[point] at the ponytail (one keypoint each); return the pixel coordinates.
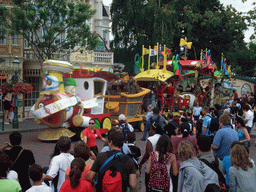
(77, 167)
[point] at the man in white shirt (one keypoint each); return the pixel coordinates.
(248, 120)
(60, 163)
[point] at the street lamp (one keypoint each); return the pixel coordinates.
(16, 63)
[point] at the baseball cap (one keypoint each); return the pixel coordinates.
(121, 117)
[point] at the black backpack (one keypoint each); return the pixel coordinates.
(156, 121)
(215, 167)
(214, 124)
(111, 171)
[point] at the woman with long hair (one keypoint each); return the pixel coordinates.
(243, 134)
(163, 155)
(242, 174)
(76, 184)
(194, 175)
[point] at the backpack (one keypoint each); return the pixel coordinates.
(156, 121)
(159, 179)
(112, 176)
(214, 124)
(215, 167)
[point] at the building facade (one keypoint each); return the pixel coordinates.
(30, 67)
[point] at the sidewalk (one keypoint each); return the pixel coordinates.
(26, 125)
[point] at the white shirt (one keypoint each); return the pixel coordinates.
(153, 140)
(40, 188)
(249, 115)
(59, 164)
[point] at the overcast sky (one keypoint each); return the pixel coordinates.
(242, 7)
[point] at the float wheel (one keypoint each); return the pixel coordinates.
(141, 126)
(97, 124)
(106, 123)
(82, 136)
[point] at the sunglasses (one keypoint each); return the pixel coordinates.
(91, 123)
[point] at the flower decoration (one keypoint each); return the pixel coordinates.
(17, 88)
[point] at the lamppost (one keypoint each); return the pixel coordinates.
(16, 63)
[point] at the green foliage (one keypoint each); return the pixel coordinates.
(206, 23)
(50, 26)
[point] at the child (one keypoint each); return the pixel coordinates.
(148, 115)
(135, 155)
(36, 174)
(76, 184)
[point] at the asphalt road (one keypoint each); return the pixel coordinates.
(43, 150)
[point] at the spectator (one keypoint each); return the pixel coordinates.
(235, 96)
(226, 104)
(8, 185)
(227, 162)
(21, 159)
(204, 150)
(81, 150)
(147, 126)
(206, 122)
(135, 155)
(176, 140)
(223, 138)
(243, 134)
(124, 125)
(248, 119)
(164, 156)
(194, 175)
(125, 149)
(90, 134)
(242, 173)
(36, 174)
(60, 163)
(76, 184)
(7, 107)
(171, 128)
(154, 135)
(127, 168)
(157, 119)
(196, 111)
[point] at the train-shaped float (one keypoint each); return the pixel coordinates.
(71, 97)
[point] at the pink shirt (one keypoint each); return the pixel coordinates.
(176, 140)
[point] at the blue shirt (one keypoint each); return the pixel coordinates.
(149, 114)
(206, 123)
(242, 136)
(223, 140)
(226, 165)
(197, 110)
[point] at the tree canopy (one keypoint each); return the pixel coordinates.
(206, 23)
(49, 26)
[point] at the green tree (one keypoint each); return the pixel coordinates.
(206, 23)
(50, 26)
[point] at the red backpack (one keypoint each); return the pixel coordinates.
(112, 176)
(159, 178)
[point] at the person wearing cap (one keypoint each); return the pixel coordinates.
(124, 125)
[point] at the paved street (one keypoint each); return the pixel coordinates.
(43, 150)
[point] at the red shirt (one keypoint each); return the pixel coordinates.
(235, 95)
(83, 186)
(91, 137)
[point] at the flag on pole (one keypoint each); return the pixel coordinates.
(153, 52)
(160, 48)
(145, 51)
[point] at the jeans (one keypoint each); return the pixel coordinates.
(145, 131)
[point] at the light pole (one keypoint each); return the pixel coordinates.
(16, 63)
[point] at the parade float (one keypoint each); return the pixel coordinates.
(186, 76)
(71, 97)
